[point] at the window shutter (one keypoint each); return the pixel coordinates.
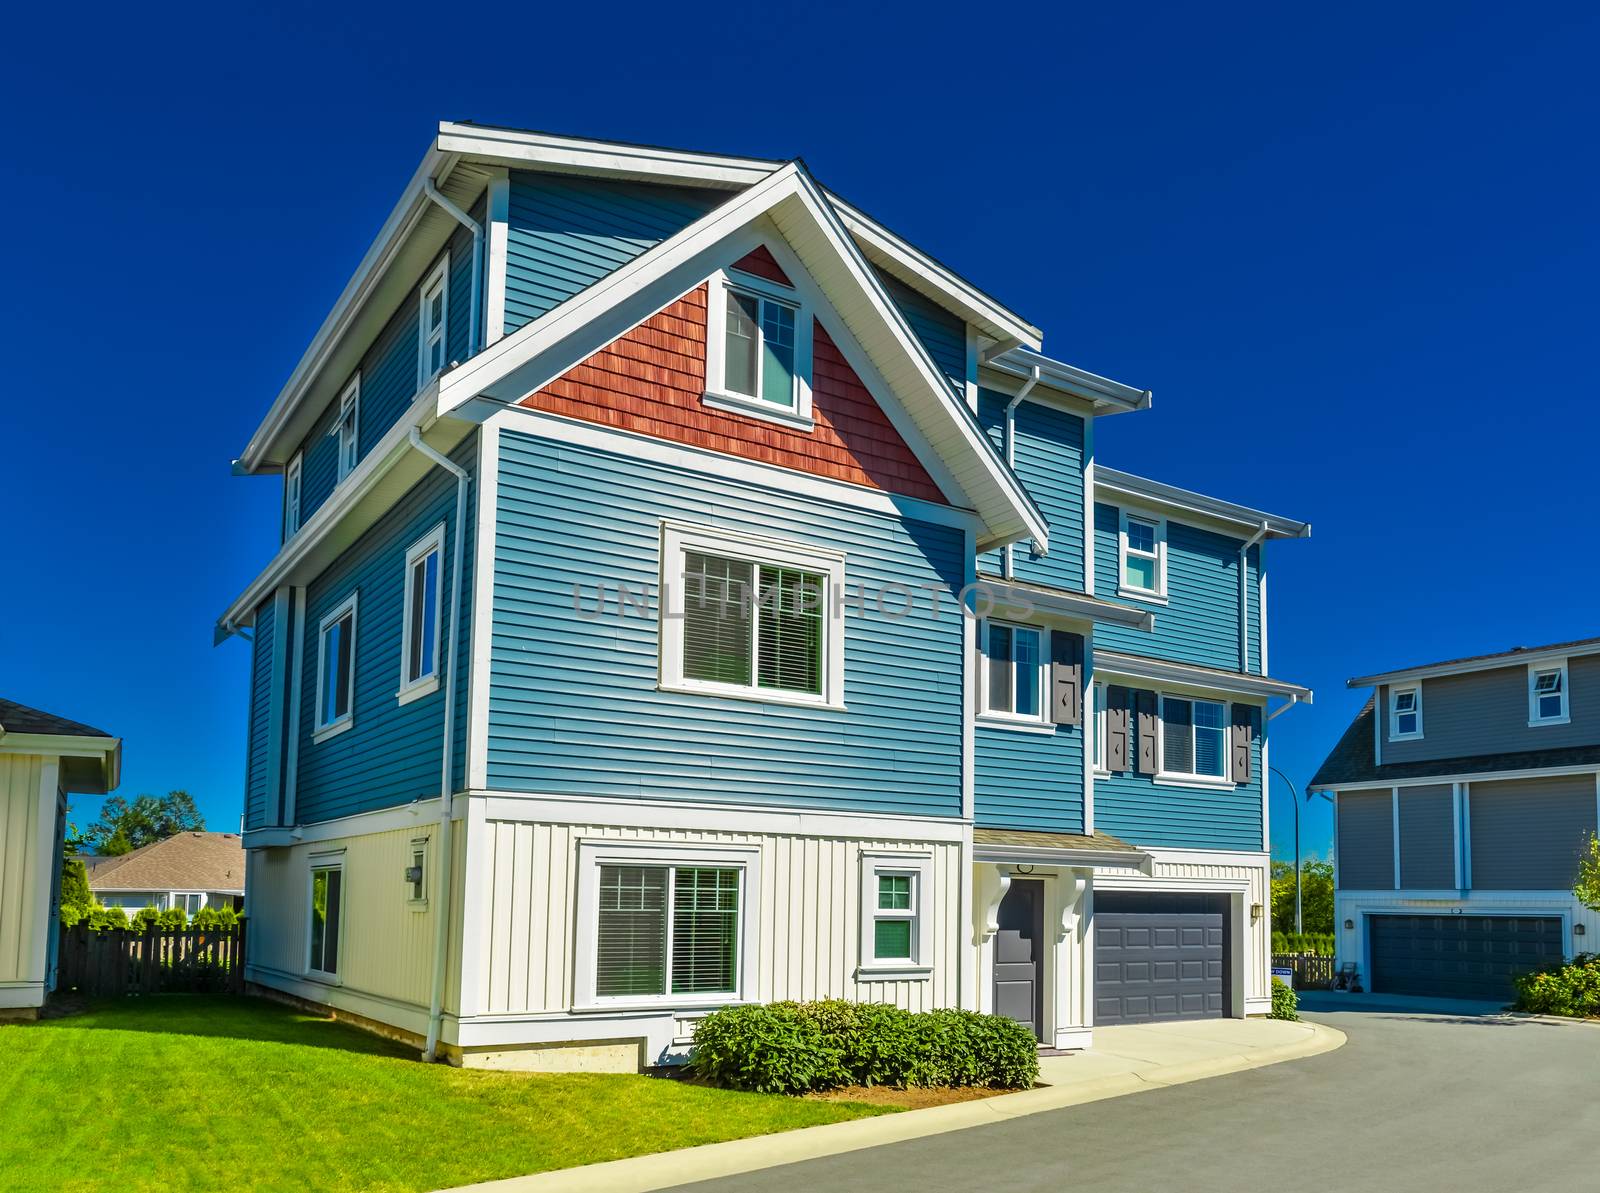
(1244, 729)
(1144, 705)
(1116, 728)
(1066, 678)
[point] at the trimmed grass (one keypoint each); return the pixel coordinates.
(192, 1092)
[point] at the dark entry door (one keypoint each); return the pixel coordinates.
(1019, 955)
(1159, 956)
(1459, 956)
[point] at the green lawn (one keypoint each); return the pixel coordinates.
(190, 1092)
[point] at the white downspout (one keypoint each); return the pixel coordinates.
(474, 333)
(444, 846)
(1244, 598)
(1011, 442)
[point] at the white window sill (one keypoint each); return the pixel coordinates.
(757, 695)
(417, 904)
(883, 971)
(1405, 737)
(1102, 774)
(325, 979)
(756, 408)
(1015, 724)
(426, 686)
(667, 1002)
(1550, 721)
(1139, 594)
(333, 730)
(1203, 782)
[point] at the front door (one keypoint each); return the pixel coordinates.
(1019, 955)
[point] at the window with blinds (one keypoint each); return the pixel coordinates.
(1194, 737)
(752, 625)
(667, 929)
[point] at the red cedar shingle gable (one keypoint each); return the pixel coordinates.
(760, 262)
(651, 382)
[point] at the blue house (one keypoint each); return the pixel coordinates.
(690, 592)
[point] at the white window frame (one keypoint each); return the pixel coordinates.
(348, 429)
(1039, 721)
(678, 539)
(427, 683)
(594, 854)
(292, 474)
(333, 860)
(919, 866)
(1180, 778)
(439, 280)
(1097, 693)
(1124, 589)
(1394, 714)
(327, 729)
(1559, 667)
(419, 846)
(718, 395)
(174, 896)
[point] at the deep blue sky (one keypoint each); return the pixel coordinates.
(1354, 254)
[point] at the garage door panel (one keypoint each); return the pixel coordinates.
(1159, 956)
(1459, 956)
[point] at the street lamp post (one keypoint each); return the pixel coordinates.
(1299, 924)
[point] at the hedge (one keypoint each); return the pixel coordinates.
(1320, 943)
(1572, 989)
(1285, 1002)
(800, 1047)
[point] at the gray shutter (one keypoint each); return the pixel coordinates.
(1244, 731)
(1144, 705)
(1066, 678)
(1116, 729)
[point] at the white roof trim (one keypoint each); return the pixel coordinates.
(1110, 859)
(1165, 671)
(1070, 605)
(1124, 484)
(583, 155)
(1107, 396)
(1515, 658)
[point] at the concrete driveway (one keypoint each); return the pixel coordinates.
(1424, 1096)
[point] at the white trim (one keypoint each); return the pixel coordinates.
(1393, 717)
(1159, 671)
(1118, 486)
(1039, 720)
(1587, 768)
(348, 428)
(1559, 668)
(971, 669)
(1394, 834)
(919, 866)
(798, 412)
(1158, 522)
(1456, 833)
(1542, 654)
(1466, 836)
(1089, 472)
(431, 543)
(1094, 730)
(1095, 749)
(497, 216)
(594, 853)
(678, 538)
(420, 813)
(438, 277)
(327, 729)
(329, 861)
(292, 475)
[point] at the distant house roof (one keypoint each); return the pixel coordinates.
(1351, 761)
(90, 758)
(19, 718)
(1481, 662)
(187, 862)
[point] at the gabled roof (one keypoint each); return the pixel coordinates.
(1483, 662)
(19, 718)
(90, 759)
(1238, 518)
(194, 861)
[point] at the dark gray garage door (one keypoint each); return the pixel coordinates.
(1160, 956)
(1459, 956)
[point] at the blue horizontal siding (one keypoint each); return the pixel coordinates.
(942, 333)
(1049, 460)
(1145, 813)
(256, 764)
(319, 466)
(574, 706)
(391, 754)
(1200, 621)
(1030, 781)
(564, 234)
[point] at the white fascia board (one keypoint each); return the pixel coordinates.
(1112, 483)
(1103, 394)
(1165, 671)
(609, 159)
(1520, 658)
(1098, 859)
(105, 750)
(1071, 606)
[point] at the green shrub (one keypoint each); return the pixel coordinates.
(105, 919)
(173, 919)
(71, 914)
(147, 919)
(1572, 989)
(1320, 943)
(1285, 1004)
(794, 1047)
(205, 919)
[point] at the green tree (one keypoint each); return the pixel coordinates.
(125, 826)
(75, 894)
(1316, 896)
(1587, 888)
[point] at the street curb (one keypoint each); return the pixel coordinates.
(665, 1169)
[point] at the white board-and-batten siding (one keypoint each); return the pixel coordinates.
(27, 838)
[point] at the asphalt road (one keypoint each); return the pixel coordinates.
(1417, 1100)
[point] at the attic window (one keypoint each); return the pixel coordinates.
(758, 350)
(1405, 713)
(1547, 695)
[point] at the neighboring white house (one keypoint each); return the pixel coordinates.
(42, 758)
(190, 870)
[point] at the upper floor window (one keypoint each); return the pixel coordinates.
(336, 670)
(432, 320)
(1547, 695)
(419, 641)
(1194, 738)
(751, 617)
(1099, 759)
(1405, 713)
(1014, 672)
(349, 427)
(758, 350)
(291, 497)
(1144, 556)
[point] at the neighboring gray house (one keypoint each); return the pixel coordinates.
(1464, 793)
(189, 870)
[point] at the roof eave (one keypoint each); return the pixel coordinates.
(1105, 395)
(1466, 667)
(1246, 519)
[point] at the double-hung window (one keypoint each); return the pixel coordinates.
(336, 670)
(1194, 738)
(1547, 695)
(348, 429)
(758, 350)
(326, 916)
(751, 617)
(419, 642)
(1100, 728)
(894, 911)
(1144, 556)
(291, 497)
(1014, 672)
(1405, 713)
(433, 317)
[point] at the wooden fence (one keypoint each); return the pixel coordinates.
(184, 961)
(1312, 971)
